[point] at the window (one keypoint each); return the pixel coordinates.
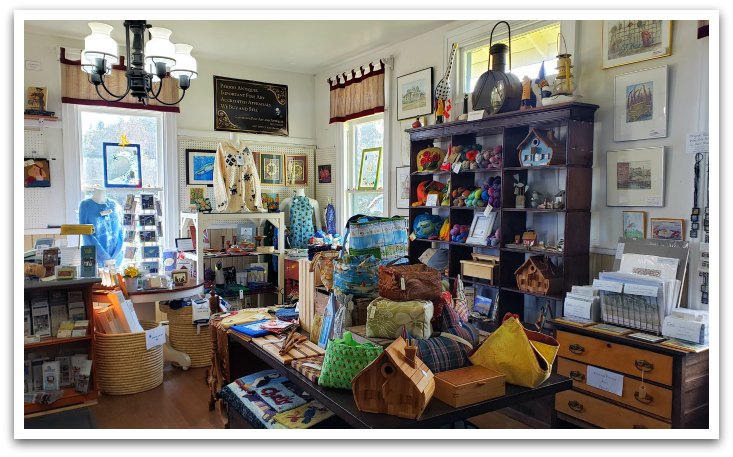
(364, 133)
(529, 50)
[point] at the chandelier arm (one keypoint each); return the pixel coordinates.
(171, 104)
(117, 98)
(160, 88)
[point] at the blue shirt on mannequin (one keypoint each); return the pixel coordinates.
(108, 229)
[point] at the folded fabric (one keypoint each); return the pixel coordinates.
(279, 396)
(309, 367)
(385, 318)
(252, 329)
(244, 316)
(305, 416)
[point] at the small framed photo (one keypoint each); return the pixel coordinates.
(122, 166)
(640, 105)
(147, 220)
(402, 193)
(196, 194)
(36, 98)
(179, 277)
(200, 167)
(633, 40)
(668, 229)
(324, 174)
(147, 201)
(415, 94)
(151, 252)
(481, 228)
(36, 173)
(371, 163)
(296, 169)
(635, 224)
(148, 236)
(271, 169)
(635, 177)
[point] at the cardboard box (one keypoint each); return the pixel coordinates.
(469, 385)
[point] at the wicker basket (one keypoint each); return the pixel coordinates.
(183, 335)
(124, 366)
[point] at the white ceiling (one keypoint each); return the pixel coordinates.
(298, 46)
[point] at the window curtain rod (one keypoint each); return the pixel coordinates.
(375, 67)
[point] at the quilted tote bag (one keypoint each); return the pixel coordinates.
(385, 238)
(356, 275)
(525, 357)
(409, 282)
(385, 318)
(344, 359)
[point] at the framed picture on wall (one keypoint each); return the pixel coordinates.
(36, 173)
(200, 167)
(415, 94)
(402, 192)
(296, 169)
(668, 229)
(271, 168)
(196, 194)
(634, 224)
(640, 105)
(629, 41)
(122, 165)
(324, 174)
(371, 163)
(635, 177)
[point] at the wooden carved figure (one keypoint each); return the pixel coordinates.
(443, 88)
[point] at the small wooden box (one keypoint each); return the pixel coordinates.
(469, 385)
(482, 266)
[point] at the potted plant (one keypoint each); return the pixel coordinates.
(132, 273)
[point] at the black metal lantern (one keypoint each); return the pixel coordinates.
(496, 90)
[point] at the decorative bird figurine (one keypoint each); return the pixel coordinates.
(443, 88)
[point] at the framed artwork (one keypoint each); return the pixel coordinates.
(296, 169)
(37, 98)
(635, 177)
(271, 168)
(481, 228)
(122, 165)
(36, 173)
(196, 194)
(179, 277)
(640, 105)
(629, 41)
(415, 94)
(324, 174)
(200, 167)
(147, 201)
(147, 220)
(148, 236)
(150, 252)
(634, 224)
(270, 200)
(668, 229)
(405, 137)
(403, 187)
(371, 163)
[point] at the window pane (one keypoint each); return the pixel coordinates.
(528, 52)
(367, 203)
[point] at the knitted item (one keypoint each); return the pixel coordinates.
(236, 180)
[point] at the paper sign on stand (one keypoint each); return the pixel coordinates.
(155, 337)
(605, 380)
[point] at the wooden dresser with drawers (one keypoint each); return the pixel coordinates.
(675, 393)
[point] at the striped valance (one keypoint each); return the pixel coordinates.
(358, 93)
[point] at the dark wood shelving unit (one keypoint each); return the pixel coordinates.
(573, 124)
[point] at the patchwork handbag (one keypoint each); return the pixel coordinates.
(525, 357)
(385, 238)
(344, 359)
(409, 282)
(386, 318)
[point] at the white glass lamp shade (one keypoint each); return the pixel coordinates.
(159, 48)
(185, 63)
(88, 67)
(100, 45)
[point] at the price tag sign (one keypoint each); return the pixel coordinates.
(155, 337)
(698, 143)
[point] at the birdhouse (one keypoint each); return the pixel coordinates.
(538, 275)
(540, 148)
(397, 383)
(529, 238)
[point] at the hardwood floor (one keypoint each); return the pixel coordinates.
(182, 401)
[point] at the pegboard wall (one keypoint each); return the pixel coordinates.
(324, 191)
(36, 199)
(282, 191)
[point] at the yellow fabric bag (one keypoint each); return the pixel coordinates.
(523, 356)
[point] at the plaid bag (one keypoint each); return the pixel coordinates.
(448, 351)
(344, 359)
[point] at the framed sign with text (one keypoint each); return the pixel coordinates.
(250, 106)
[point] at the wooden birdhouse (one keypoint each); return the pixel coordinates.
(540, 148)
(397, 383)
(529, 238)
(538, 275)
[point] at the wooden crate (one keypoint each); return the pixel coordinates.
(469, 385)
(482, 266)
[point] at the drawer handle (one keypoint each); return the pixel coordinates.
(576, 349)
(576, 375)
(575, 405)
(639, 426)
(643, 365)
(646, 400)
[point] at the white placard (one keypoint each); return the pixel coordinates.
(684, 329)
(698, 143)
(605, 380)
(155, 337)
(608, 286)
(432, 200)
(637, 289)
(620, 251)
(457, 167)
(474, 115)
(654, 201)
(488, 210)
(577, 308)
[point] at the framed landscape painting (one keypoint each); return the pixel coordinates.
(200, 167)
(635, 177)
(633, 40)
(640, 105)
(415, 94)
(635, 224)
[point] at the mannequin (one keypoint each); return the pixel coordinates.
(288, 202)
(106, 216)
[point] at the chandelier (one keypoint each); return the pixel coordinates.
(146, 62)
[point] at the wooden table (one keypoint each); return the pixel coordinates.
(246, 357)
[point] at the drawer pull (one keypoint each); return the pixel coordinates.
(576, 349)
(643, 365)
(576, 375)
(639, 426)
(575, 405)
(647, 399)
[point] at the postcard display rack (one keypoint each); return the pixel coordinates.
(572, 126)
(193, 223)
(143, 229)
(69, 296)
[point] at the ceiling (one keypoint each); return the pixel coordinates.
(298, 46)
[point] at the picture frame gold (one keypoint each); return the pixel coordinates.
(634, 224)
(296, 170)
(179, 277)
(625, 42)
(271, 169)
(369, 168)
(663, 228)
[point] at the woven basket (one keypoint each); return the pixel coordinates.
(183, 335)
(124, 366)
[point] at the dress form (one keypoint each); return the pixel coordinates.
(106, 216)
(287, 203)
(99, 196)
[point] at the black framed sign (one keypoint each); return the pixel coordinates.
(250, 106)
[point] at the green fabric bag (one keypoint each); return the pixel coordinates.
(344, 359)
